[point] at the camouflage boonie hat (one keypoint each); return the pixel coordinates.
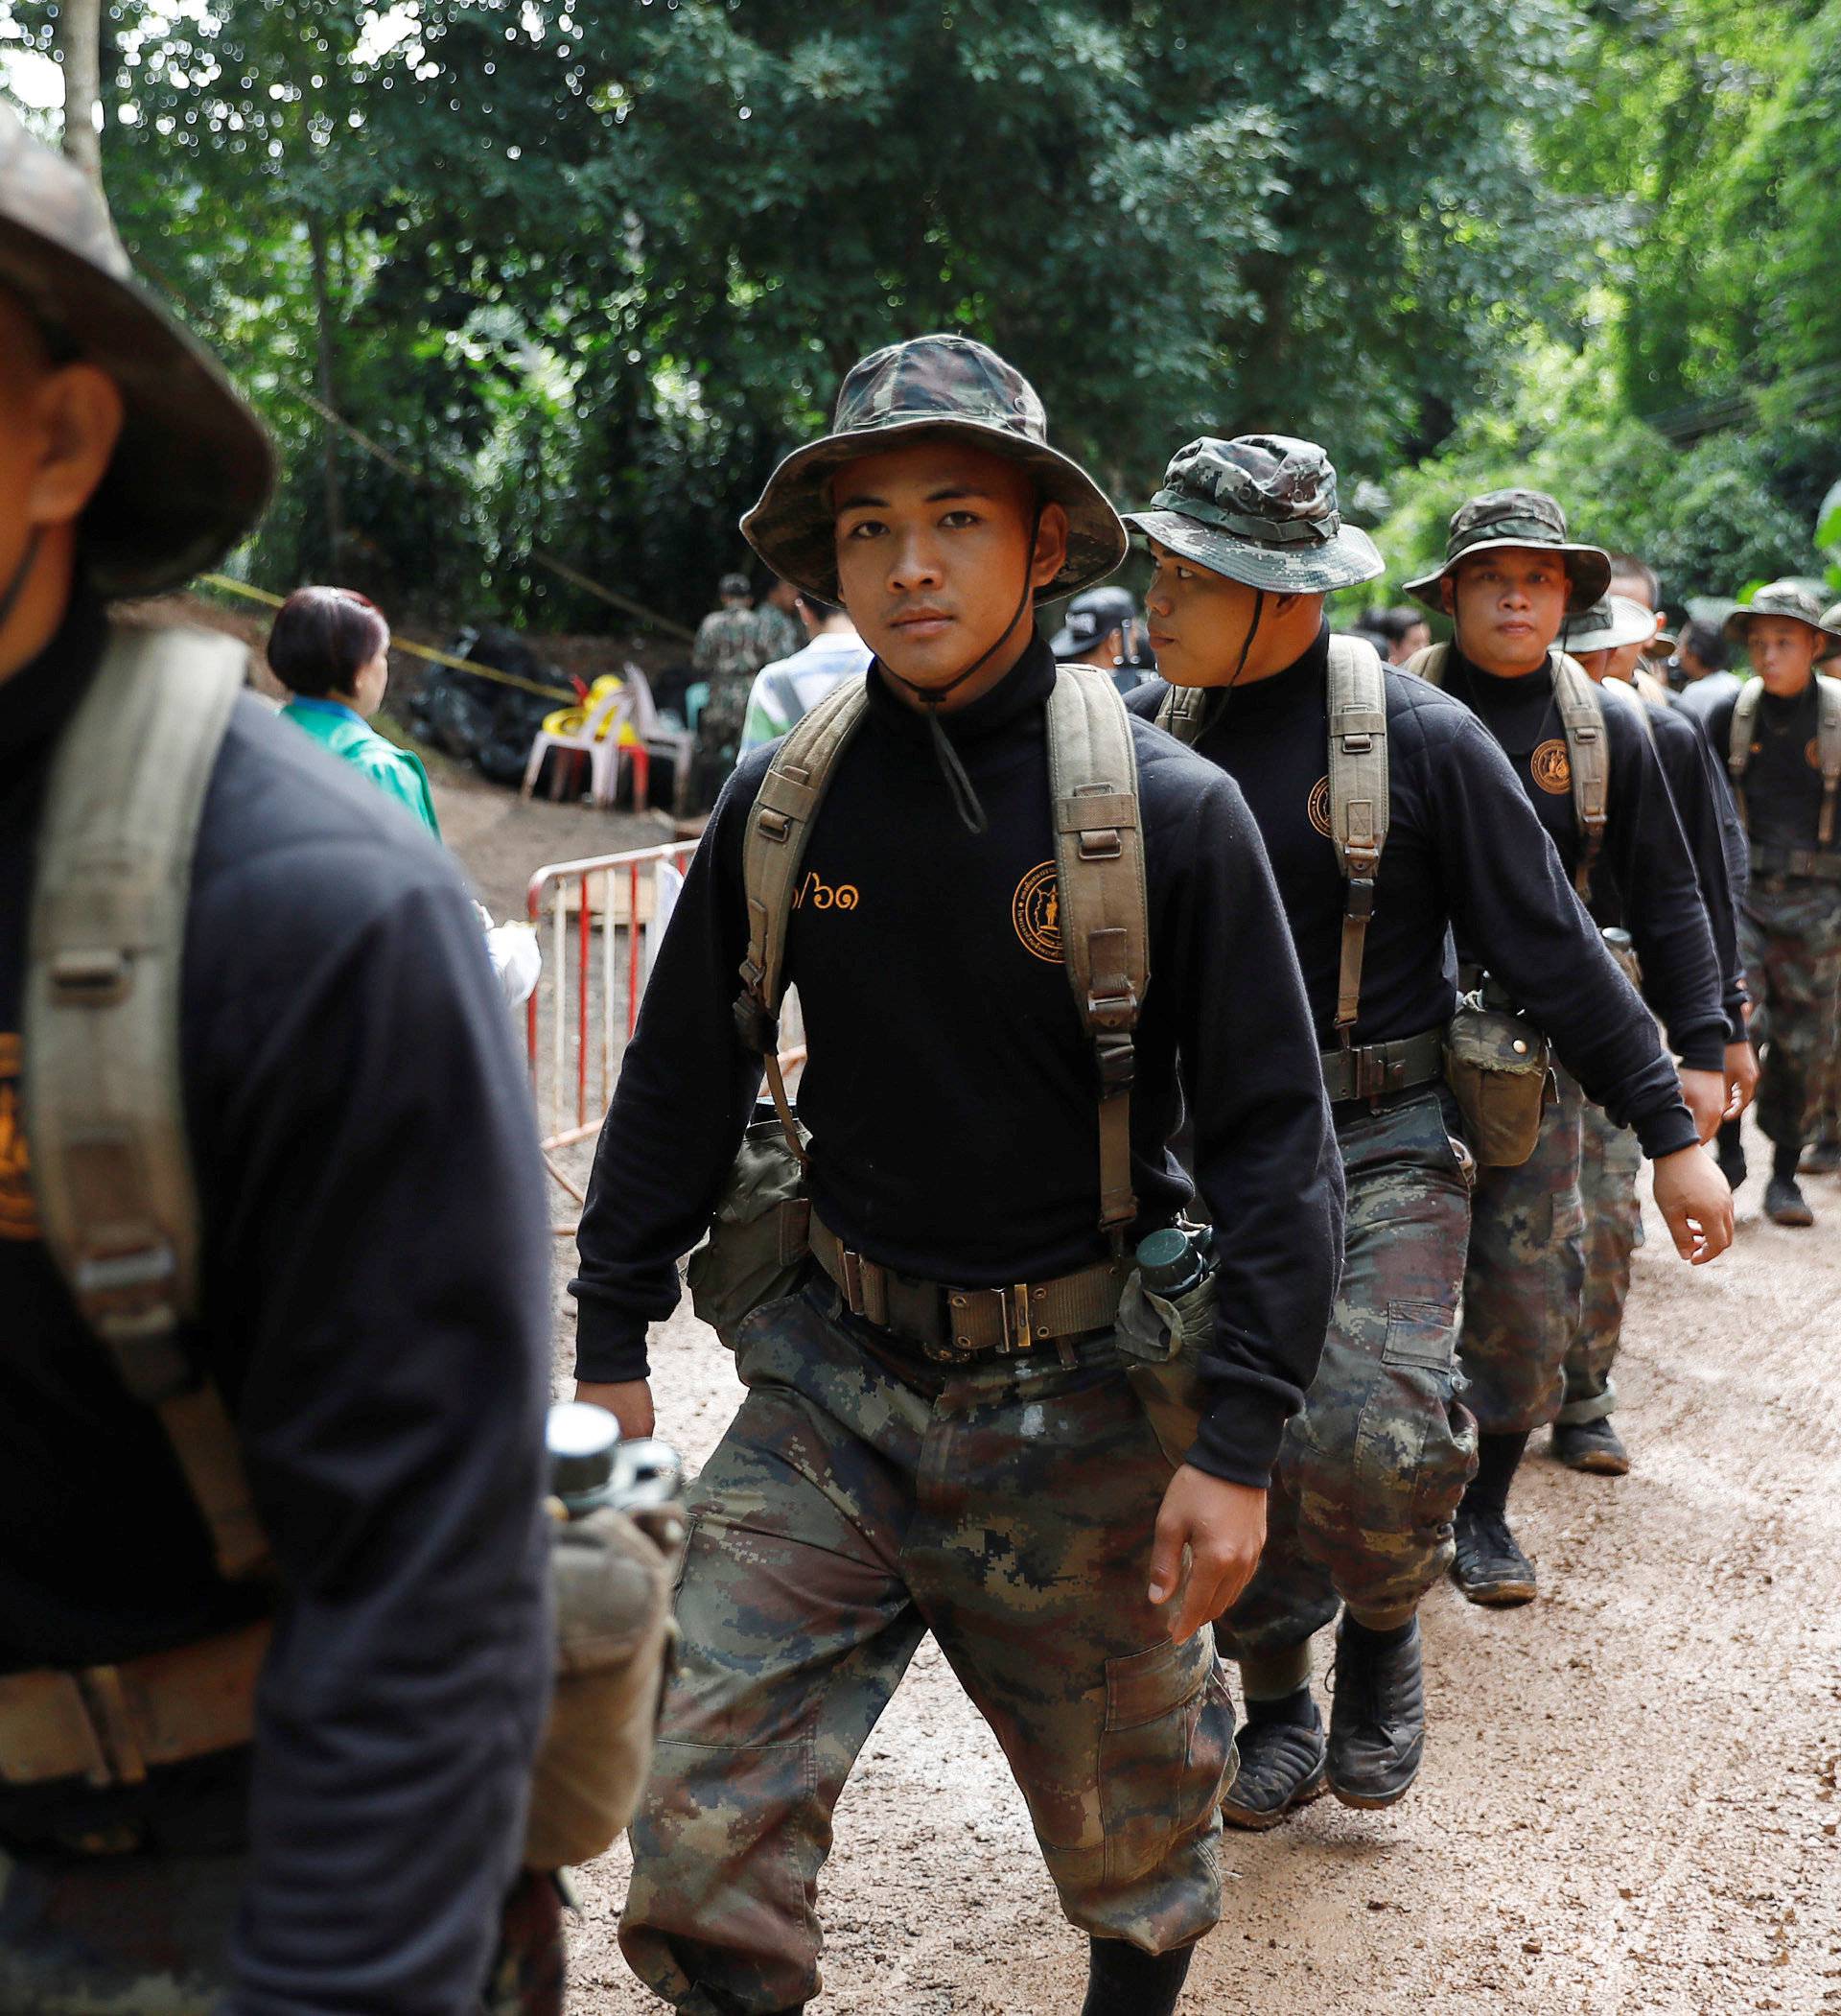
(930, 385)
(193, 468)
(1784, 599)
(1501, 518)
(1261, 509)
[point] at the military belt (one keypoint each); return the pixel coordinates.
(110, 1725)
(953, 1324)
(1816, 863)
(1372, 1070)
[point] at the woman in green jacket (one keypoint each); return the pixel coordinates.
(329, 648)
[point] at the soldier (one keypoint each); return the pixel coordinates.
(777, 622)
(940, 1434)
(1608, 641)
(730, 647)
(1823, 1156)
(1780, 735)
(1103, 627)
(255, 1419)
(1247, 542)
(1510, 578)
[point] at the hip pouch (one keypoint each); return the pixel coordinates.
(1161, 1340)
(758, 1233)
(1499, 1068)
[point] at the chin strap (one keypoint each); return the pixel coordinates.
(21, 575)
(959, 785)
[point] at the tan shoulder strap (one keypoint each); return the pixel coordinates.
(1430, 664)
(1358, 803)
(105, 1110)
(1105, 909)
(1739, 740)
(1587, 755)
(1184, 712)
(1827, 752)
(780, 824)
(1634, 702)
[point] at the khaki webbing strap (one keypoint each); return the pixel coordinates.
(1104, 910)
(105, 1111)
(1827, 752)
(1738, 741)
(1587, 756)
(1630, 699)
(1358, 803)
(1184, 713)
(780, 825)
(1429, 664)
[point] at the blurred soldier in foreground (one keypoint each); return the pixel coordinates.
(272, 1262)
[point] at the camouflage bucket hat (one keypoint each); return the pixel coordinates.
(193, 468)
(1609, 625)
(929, 386)
(1261, 509)
(1500, 518)
(1784, 599)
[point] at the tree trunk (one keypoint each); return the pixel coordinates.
(328, 390)
(79, 48)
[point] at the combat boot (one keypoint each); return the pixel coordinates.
(1489, 1567)
(1822, 1156)
(1281, 1766)
(1783, 1203)
(1377, 1715)
(1591, 1445)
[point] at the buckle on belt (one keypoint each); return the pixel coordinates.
(1013, 1306)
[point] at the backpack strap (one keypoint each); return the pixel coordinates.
(780, 825)
(1588, 757)
(1359, 804)
(111, 1165)
(1429, 664)
(1099, 861)
(1184, 712)
(1738, 740)
(1827, 752)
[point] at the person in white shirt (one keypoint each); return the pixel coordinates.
(785, 693)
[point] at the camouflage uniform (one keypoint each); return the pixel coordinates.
(732, 646)
(1789, 932)
(1525, 1286)
(1610, 1160)
(859, 1500)
(1370, 1473)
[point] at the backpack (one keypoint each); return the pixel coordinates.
(1827, 746)
(1588, 755)
(1359, 793)
(111, 1168)
(1099, 858)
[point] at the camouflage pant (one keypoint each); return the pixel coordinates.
(719, 724)
(1370, 1473)
(1609, 1162)
(145, 1934)
(1791, 935)
(1523, 1287)
(855, 1504)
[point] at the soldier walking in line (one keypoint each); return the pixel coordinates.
(939, 1432)
(1393, 818)
(732, 643)
(1781, 738)
(1608, 640)
(273, 1637)
(1823, 1156)
(1510, 578)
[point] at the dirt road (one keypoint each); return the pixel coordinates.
(1630, 1798)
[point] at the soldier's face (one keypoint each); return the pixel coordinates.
(1620, 663)
(933, 555)
(1508, 606)
(1783, 652)
(1198, 623)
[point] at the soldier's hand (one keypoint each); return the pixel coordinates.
(1695, 1198)
(1705, 1093)
(628, 1401)
(1741, 1078)
(1223, 1527)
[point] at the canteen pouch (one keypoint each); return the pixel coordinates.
(1498, 1068)
(1160, 1342)
(611, 1576)
(758, 1244)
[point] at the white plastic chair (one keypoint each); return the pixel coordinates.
(677, 745)
(598, 738)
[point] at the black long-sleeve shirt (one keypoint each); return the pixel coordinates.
(1463, 849)
(376, 1314)
(950, 1088)
(1783, 782)
(1643, 879)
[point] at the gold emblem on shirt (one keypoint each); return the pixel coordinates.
(1035, 911)
(18, 1208)
(1318, 807)
(1550, 769)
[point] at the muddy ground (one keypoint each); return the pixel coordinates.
(1629, 1801)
